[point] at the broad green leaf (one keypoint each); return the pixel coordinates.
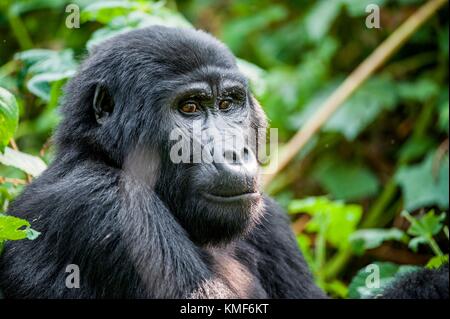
(357, 8)
(30, 57)
(340, 220)
(415, 148)
(357, 112)
(46, 67)
(365, 239)
(444, 40)
(105, 11)
(425, 184)
(364, 286)
(236, 32)
(29, 164)
(137, 20)
(363, 108)
(9, 117)
(20, 7)
(40, 85)
(424, 227)
(421, 91)
(416, 241)
(320, 18)
(13, 228)
(344, 180)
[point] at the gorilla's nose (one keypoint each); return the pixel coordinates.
(237, 172)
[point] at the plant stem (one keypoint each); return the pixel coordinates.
(434, 246)
(20, 31)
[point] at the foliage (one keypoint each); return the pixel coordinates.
(384, 151)
(359, 289)
(9, 117)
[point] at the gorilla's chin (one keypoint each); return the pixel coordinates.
(216, 220)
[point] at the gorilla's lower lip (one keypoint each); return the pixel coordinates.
(234, 198)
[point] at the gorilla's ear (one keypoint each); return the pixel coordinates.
(103, 103)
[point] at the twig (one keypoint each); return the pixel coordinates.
(351, 84)
(13, 144)
(14, 181)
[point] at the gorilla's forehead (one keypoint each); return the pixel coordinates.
(164, 51)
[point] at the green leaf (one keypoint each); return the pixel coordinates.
(106, 11)
(340, 220)
(415, 148)
(13, 228)
(437, 261)
(365, 239)
(444, 116)
(336, 288)
(20, 7)
(357, 8)
(32, 234)
(357, 112)
(387, 271)
(29, 164)
(47, 67)
(426, 225)
(9, 117)
(137, 20)
(320, 18)
(416, 241)
(236, 33)
(344, 180)
(363, 108)
(420, 91)
(425, 184)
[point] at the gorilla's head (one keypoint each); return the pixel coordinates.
(176, 99)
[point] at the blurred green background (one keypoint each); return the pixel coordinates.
(372, 186)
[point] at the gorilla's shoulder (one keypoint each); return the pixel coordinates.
(273, 221)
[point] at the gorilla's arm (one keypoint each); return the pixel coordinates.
(284, 273)
(279, 265)
(124, 240)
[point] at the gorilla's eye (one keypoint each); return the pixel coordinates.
(189, 107)
(224, 105)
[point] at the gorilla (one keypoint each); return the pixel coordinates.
(137, 223)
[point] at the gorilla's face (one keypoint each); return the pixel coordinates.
(154, 90)
(209, 174)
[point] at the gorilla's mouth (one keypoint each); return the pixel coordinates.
(231, 198)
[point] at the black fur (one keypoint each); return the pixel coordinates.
(134, 222)
(423, 284)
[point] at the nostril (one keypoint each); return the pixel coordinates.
(245, 154)
(230, 156)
